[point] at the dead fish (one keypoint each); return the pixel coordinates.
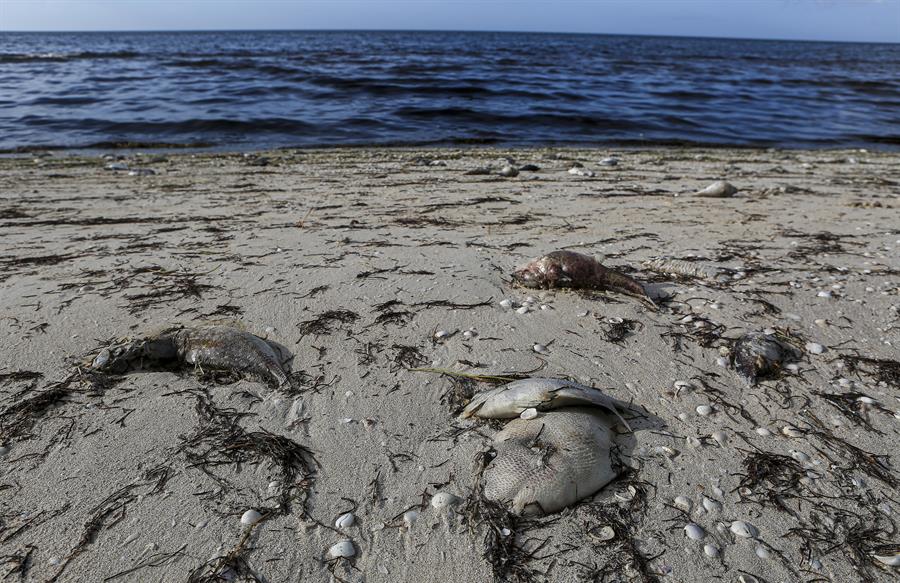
(574, 270)
(718, 189)
(206, 347)
(757, 356)
(545, 464)
(512, 399)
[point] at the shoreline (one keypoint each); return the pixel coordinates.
(353, 259)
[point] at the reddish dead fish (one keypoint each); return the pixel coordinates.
(570, 269)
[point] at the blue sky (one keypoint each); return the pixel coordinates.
(851, 20)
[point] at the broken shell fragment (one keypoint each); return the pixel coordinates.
(443, 500)
(343, 549)
(345, 520)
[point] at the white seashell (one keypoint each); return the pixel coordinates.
(509, 171)
(711, 505)
(522, 310)
(54, 561)
(722, 361)
(793, 367)
(615, 320)
(441, 334)
(410, 517)
(666, 451)
(704, 410)
(692, 441)
(824, 294)
(344, 549)
(469, 334)
(610, 161)
(345, 520)
(762, 552)
(684, 503)
(866, 400)
(529, 413)
(506, 304)
(763, 431)
(443, 500)
(711, 550)
(799, 456)
(814, 348)
(694, 531)
(744, 529)
(604, 533)
(251, 517)
(505, 532)
(626, 495)
(720, 437)
(682, 385)
(889, 560)
(581, 172)
(769, 331)
(747, 579)
(540, 348)
(791, 431)
(718, 189)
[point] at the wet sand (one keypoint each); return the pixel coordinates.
(354, 260)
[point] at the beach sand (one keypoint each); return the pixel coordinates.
(353, 260)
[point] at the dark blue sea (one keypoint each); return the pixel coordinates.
(244, 90)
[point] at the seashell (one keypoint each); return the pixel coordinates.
(666, 451)
(529, 413)
(744, 529)
(251, 517)
(799, 456)
(578, 171)
(692, 441)
(711, 550)
(711, 505)
(626, 495)
(507, 303)
(762, 431)
(722, 361)
(682, 386)
(602, 534)
(522, 310)
(824, 294)
(814, 348)
(720, 437)
(567, 269)
(694, 531)
(747, 579)
(718, 189)
(684, 503)
(704, 410)
(610, 161)
(343, 549)
(540, 349)
(762, 552)
(441, 334)
(345, 520)
(791, 431)
(443, 500)
(509, 171)
(469, 334)
(505, 532)
(889, 560)
(410, 517)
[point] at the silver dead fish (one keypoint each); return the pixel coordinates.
(206, 347)
(508, 401)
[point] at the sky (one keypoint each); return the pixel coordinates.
(842, 20)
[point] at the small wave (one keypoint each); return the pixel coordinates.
(63, 57)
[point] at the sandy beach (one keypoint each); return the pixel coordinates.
(366, 264)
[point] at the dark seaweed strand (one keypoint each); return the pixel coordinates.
(220, 440)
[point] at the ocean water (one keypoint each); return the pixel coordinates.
(248, 90)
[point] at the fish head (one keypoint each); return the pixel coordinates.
(543, 272)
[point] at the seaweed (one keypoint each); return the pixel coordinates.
(232, 566)
(882, 369)
(851, 407)
(153, 561)
(407, 357)
(325, 322)
(770, 479)
(18, 562)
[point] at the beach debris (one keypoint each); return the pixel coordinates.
(711, 550)
(142, 172)
(718, 189)
(567, 269)
(509, 171)
(609, 161)
(221, 348)
(251, 517)
(343, 549)
(814, 348)
(543, 465)
(410, 517)
(684, 503)
(889, 560)
(711, 505)
(744, 529)
(758, 356)
(443, 500)
(689, 269)
(704, 410)
(529, 168)
(345, 520)
(541, 348)
(541, 394)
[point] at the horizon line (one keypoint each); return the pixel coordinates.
(436, 30)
